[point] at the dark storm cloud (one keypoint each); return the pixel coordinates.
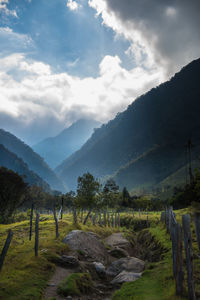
(171, 28)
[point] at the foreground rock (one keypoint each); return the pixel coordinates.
(118, 241)
(129, 264)
(87, 243)
(126, 277)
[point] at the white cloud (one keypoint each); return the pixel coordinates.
(72, 5)
(5, 10)
(42, 103)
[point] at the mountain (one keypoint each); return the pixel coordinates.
(56, 149)
(12, 162)
(144, 144)
(33, 160)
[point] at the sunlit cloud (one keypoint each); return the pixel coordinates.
(43, 97)
(5, 10)
(73, 5)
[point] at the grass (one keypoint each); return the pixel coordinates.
(75, 284)
(24, 276)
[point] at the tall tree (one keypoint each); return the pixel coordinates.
(12, 190)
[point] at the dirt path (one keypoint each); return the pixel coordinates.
(58, 276)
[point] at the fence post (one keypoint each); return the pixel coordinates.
(197, 227)
(62, 203)
(108, 218)
(37, 233)
(56, 221)
(81, 215)
(31, 222)
(189, 256)
(177, 247)
(118, 219)
(112, 220)
(104, 218)
(5, 248)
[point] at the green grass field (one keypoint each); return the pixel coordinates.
(25, 276)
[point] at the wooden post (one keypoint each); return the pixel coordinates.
(189, 256)
(87, 216)
(56, 222)
(118, 219)
(112, 220)
(62, 203)
(74, 216)
(176, 237)
(37, 233)
(108, 218)
(81, 215)
(197, 227)
(104, 218)
(31, 222)
(5, 248)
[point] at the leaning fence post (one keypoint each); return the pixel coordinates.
(56, 221)
(189, 256)
(5, 248)
(31, 222)
(37, 233)
(197, 227)
(176, 237)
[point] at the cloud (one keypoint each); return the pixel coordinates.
(4, 10)
(162, 34)
(73, 5)
(40, 103)
(12, 42)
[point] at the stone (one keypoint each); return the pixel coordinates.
(117, 240)
(125, 276)
(129, 264)
(89, 243)
(69, 261)
(118, 252)
(100, 269)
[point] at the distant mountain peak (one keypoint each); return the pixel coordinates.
(58, 148)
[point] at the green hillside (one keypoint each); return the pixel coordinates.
(145, 143)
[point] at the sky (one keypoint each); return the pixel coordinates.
(63, 60)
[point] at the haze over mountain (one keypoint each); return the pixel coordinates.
(9, 160)
(33, 160)
(144, 144)
(55, 149)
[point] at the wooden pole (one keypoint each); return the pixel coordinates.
(176, 237)
(197, 227)
(31, 222)
(62, 202)
(56, 222)
(189, 256)
(5, 248)
(37, 233)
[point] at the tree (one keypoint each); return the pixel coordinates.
(110, 195)
(125, 198)
(12, 190)
(87, 190)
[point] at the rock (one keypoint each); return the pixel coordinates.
(69, 261)
(89, 243)
(118, 253)
(129, 264)
(100, 269)
(117, 240)
(126, 277)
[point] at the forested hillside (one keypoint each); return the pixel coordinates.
(12, 162)
(33, 160)
(146, 142)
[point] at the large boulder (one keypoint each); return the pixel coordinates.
(89, 244)
(125, 276)
(129, 264)
(118, 241)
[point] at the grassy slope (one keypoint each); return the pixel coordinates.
(157, 281)
(23, 276)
